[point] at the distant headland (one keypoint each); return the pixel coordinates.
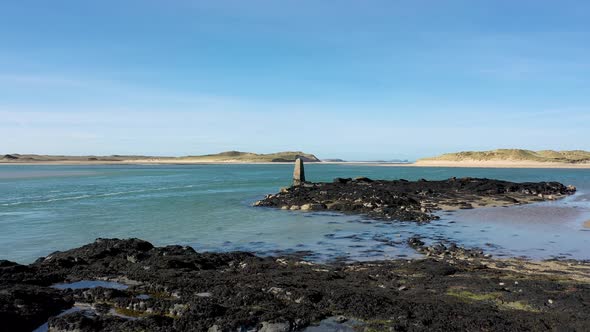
(224, 157)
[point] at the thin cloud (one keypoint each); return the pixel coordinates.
(39, 80)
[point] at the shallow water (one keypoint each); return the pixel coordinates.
(85, 284)
(332, 325)
(77, 307)
(49, 208)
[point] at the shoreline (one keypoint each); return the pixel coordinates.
(437, 164)
(499, 164)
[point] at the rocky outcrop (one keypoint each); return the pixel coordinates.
(411, 200)
(175, 288)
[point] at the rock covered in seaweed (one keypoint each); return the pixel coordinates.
(411, 200)
(175, 288)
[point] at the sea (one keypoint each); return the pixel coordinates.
(209, 207)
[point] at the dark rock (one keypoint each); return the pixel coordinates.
(415, 242)
(342, 180)
(411, 200)
(25, 307)
(246, 292)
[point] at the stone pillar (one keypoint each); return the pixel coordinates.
(298, 173)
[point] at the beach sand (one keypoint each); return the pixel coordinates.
(164, 161)
(497, 164)
(203, 161)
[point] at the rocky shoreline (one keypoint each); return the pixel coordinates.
(411, 200)
(174, 288)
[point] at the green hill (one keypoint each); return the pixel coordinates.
(288, 156)
(229, 156)
(544, 156)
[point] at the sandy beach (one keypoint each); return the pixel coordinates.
(201, 161)
(498, 164)
(144, 162)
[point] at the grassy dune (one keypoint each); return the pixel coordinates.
(515, 155)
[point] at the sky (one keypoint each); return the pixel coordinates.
(358, 80)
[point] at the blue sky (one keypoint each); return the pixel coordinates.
(341, 79)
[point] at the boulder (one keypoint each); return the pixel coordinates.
(313, 207)
(342, 180)
(363, 179)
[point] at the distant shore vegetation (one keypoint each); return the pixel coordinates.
(521, 155)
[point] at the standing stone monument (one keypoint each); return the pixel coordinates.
(298, 173)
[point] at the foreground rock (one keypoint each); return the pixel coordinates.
(412, 200)
(175, 288)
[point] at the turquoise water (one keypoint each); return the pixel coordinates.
(48, 208)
